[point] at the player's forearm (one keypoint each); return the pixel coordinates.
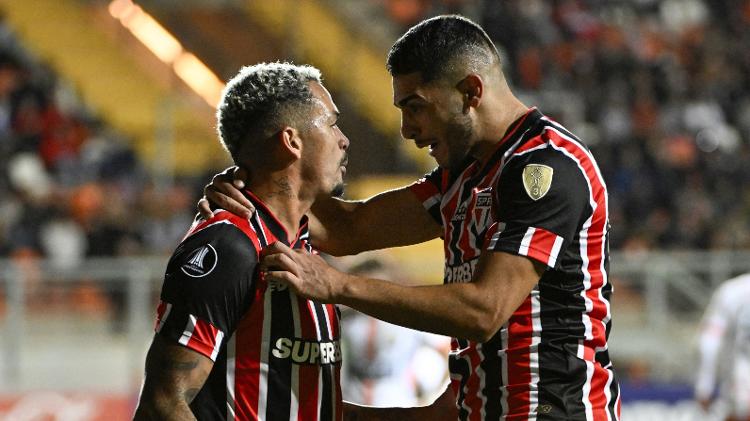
(390, 219)
(458, 310)
(332, 227)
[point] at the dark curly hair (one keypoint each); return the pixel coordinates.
(440, 47)
(261, 99)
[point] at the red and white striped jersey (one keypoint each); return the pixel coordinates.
(276, 356)
(541, 195)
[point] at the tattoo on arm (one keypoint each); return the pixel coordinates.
(168, 364)
(174, 376)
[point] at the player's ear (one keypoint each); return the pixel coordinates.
(471, 88)
(290, 141)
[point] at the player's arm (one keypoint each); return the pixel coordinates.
(338, 227)
(205, 299)
(174, 375)
(390, 219)
(473, 310)
(506, 273)
(443, 409)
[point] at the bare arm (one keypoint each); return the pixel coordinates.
(174, 376)
(389, 219)
(338, 227)
(443, 409)
(474, 310)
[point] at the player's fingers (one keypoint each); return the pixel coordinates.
(227, 174)
(279, 261)
(204, 208)
(284, 277)
(275, 248)
(239, 176)
(229, 182)
(227, 197)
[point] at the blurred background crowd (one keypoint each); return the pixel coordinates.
(659, 89)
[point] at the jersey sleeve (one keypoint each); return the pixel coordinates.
(208, 287)
(429, 190)
(540, 200)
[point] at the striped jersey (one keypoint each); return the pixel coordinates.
(276, 355)
(541, 195)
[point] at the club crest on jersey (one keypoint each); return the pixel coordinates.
(201, 262)
(537, 180)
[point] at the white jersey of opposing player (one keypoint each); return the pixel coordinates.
(725, 347)
(389, 365)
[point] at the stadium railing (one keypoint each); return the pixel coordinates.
(87, 325)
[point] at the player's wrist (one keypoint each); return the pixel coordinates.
(345, 290)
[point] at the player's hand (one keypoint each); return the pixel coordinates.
(224, 192)
(306, 274)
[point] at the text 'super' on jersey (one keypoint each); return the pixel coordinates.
(276, 356)
(541, 195)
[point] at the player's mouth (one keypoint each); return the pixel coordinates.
(423, 143)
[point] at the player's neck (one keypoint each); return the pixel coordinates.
(280, 192)
(495, 122)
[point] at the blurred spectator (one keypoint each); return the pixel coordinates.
(389, 365)
(71, 188)
(725, 351)
(660, 90)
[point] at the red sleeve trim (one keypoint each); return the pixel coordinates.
(202, 337)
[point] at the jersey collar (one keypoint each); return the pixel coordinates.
(273, 223)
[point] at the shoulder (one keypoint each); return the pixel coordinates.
(219, 238)
(735, 290)
(555, 152)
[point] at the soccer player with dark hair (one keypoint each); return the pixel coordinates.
(522, 208)
(230, 344)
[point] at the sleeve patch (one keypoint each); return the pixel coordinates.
(202, 337)
(201, 262)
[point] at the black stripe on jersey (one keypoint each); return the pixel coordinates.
(326, 370)
(492, 382)
(280, 369)
(461, 367)
(561, 373)
(614, 390)
(273, 225)
(257, 226)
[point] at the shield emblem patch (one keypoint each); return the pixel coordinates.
(537, 180)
